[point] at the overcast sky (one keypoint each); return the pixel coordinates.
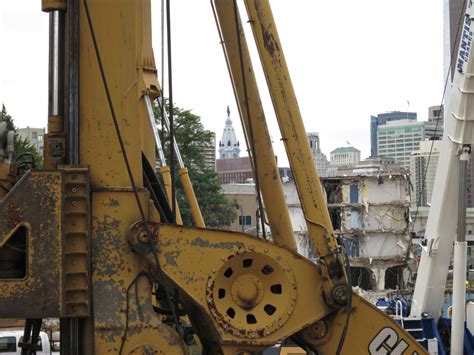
(348, 60)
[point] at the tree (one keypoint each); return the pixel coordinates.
(191, 136)
(22, 146)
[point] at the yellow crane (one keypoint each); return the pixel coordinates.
(90, 239)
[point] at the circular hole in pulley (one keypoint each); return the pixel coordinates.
(246, 263)
(231, 312)
(269, 309)
(251, 319)
(267, 269)
(228, 273)
(276, 289)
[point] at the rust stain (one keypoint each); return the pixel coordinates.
(202, 243)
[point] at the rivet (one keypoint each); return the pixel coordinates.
(74, 177)
(289, 313)
(214, 271)
(250, 248)
(265, 250)
(74, 203)
(74, 189)
(278, 257)
(288, 268)
(73, 222)
(223, 258)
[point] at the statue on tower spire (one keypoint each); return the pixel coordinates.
(229, 146)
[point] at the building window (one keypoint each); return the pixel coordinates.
(40, 138)
(34, 135)
(245, 220)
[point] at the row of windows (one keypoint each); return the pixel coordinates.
(404, 130)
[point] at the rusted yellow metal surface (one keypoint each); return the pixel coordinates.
(31, 247)
(191, 198)
(255, 293)
(52, 5)
(124, 42)
(292, 129)
(7, 178)
(115, 268)
(83, 237)
(197, 262)
(166, 175)
(54, 143)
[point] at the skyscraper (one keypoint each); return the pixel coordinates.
(381, 119)
(319, 157)
(209, 153)
(229, 146)
(422, 174)
(398, 139)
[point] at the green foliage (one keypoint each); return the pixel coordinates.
(191, 136)
(23, 148)
(4, 116)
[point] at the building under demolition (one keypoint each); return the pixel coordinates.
(371, 215)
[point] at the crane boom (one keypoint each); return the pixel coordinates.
(443, 215)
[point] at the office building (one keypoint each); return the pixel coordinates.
(398, 139)
(246, 198)
(422, 174)
(35, 136)
(382, 119)
(344, 156)
(319, 157)
(209, 153)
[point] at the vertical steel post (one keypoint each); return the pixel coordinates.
(72, 82)
(460, 259)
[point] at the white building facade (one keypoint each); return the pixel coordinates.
(35, 136)
(345, 156)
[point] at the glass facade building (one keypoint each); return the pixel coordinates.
(382, 119)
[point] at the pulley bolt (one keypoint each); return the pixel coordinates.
(339, 293)
(143, 238)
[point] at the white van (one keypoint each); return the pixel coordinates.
(9, 343)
